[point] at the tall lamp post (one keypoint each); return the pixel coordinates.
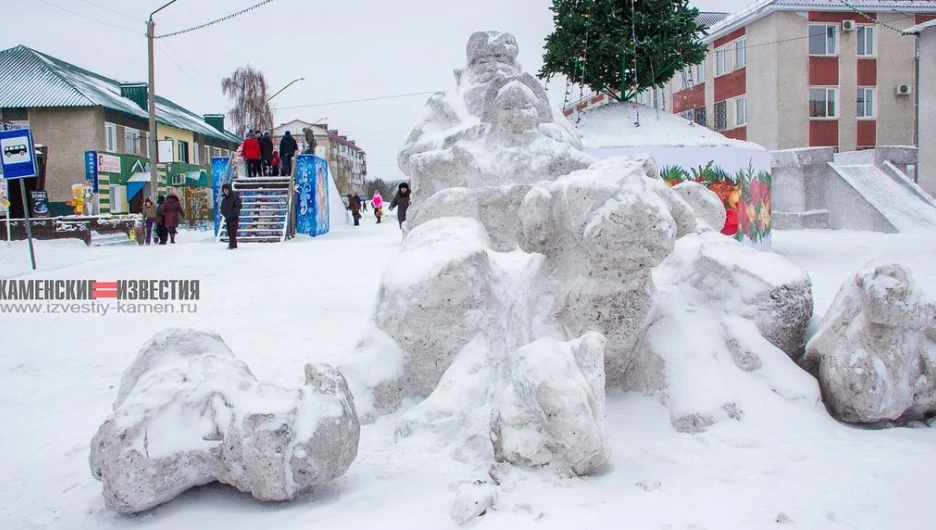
(291, 83)
(153, 145)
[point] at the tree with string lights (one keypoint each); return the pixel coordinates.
(622, 47)
(248, 90)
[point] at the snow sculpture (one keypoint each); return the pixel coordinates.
(531, 277)
(746, 312)
(494, 102)
(875, 351)
(189, 413)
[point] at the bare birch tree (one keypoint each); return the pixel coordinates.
(248, 90)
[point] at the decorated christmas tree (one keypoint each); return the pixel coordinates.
(622, 47)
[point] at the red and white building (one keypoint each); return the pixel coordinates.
(805, 73)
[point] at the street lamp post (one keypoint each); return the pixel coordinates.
(291, 83)
(153, 145)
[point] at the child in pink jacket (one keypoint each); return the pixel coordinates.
(377, 202)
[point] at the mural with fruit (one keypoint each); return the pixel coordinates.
(745, 194)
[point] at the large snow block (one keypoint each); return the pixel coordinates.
(553, 408)
(434, 298)
(189, 413)
(875, 351)
(714, 325)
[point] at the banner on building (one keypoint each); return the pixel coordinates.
(108, 163)
(312, 197)
(221, 174)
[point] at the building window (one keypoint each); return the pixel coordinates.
(721, 115)
(865, 102)
(721, 66)
(197, 154)
(110, 137)
(865, 41)
(823, 39)
(740, 111)
(131, 141)
(822, 102)
(740, 53)
(699, 116)
(183, 152)
(700, 72)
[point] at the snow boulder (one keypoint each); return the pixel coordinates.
(552, 410)
(189, 413)
(875, 351)
(434, 297)
(712, 330)
(705, 203)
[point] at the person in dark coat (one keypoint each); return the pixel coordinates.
(354, 204)
(172, 213)
(161, 232)
(251, 151)
(288, 148)
(266, 153)
(230, 208)
(401, 201)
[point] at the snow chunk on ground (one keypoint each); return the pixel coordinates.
(875, 351)
(189, 413)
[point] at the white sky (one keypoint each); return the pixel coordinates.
(346, 50)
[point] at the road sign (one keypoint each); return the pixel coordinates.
(17, 154)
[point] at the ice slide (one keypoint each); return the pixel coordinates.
(896, 198)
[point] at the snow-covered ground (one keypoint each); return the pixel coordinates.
(280, 306)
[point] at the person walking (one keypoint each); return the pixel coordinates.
(251, 152)
(149, 218)
(266, 153)
(230, 208)
(354, 205)
(402, 201)
(172, 212)
(275, 164)
(161, 220)
(288, 148)
(377, 203)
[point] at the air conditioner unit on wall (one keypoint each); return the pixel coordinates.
(848, 25)
(178, 180)
(904, 90)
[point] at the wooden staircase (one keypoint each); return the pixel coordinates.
(265, 215)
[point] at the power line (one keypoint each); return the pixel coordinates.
(105, 8)
(216, 21)
(397, 96)
(191, 68)
(183, 70)
(869, 17)
(138, 32)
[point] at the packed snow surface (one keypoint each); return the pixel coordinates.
(282, 306)
(615, 125)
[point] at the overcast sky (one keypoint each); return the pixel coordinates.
(345, 50)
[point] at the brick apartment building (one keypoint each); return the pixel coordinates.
(801, 73)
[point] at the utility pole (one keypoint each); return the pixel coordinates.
(151, 96)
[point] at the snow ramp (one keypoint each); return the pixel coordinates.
(887, 201)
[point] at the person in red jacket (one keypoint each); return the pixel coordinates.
(251, 151)
(275, 164)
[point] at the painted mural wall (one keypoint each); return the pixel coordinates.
(740, 176)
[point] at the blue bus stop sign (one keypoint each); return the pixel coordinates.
(18, 157)
(17, 154)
